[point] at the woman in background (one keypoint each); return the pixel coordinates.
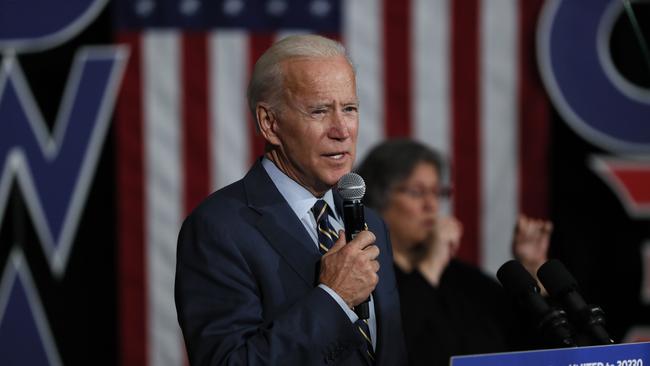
(448, 307)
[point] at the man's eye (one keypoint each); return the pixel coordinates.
(318, 111)
(350, 108)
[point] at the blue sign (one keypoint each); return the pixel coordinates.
(54, 172)
(580, 76)
(25, 335)
(633, 354)
(34, 25)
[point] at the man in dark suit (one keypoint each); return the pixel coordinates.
(261, 276)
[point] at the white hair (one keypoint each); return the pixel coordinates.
(267, 80)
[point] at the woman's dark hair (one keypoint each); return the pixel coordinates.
(388, 164)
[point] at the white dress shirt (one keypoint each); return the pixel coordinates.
(301, 201)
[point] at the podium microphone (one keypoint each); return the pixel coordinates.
(352, 188)
(551, 322)
(561, 285)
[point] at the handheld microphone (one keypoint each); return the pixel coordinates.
(352, 188)
(561, 285)
(551, 322)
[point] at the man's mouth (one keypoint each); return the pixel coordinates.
(335, 156)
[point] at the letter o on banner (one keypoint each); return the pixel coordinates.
(583, 83)
(37, 25)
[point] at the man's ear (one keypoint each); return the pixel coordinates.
(267, 123)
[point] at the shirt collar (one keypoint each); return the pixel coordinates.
(298, 197)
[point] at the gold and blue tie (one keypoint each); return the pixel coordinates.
(327, 236)
(364, 330)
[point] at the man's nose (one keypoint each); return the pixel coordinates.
(339, 128)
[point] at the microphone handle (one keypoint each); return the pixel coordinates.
(590, 318)
(363, 310)
(355, 222)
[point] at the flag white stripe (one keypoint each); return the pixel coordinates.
(499, 168)
(431, 78)
(163, 205)
(362, 35)
(230, 145)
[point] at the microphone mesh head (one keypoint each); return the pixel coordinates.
(351, 187)
(556, 278)
(515, 279)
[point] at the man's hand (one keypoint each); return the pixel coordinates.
(351, 269)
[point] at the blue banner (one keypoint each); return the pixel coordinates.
(632, 354)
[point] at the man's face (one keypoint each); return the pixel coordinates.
(316, 127)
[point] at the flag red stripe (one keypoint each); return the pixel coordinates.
(195, 120)
(466, 142)
(130, 210)
(397, 67)
(195, 123)
(332, 35)
(258, 43)
(533, 118)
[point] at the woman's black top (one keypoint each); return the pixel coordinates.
(468, 313)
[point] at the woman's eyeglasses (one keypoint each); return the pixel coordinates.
(439, 193)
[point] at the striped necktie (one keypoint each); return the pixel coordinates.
(364, 330)
(326, 238)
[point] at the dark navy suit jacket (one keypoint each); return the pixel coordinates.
(246, 286)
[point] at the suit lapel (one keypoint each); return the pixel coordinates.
(338, 203)
(376, 297)
(279, 224)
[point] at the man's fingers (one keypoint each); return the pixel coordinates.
(371, 252)
(375, 266)
(362, 240)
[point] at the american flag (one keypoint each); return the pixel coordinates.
(458, 75)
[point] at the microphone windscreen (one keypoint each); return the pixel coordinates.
(556, 278)
(515, 279)
(351, 187)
